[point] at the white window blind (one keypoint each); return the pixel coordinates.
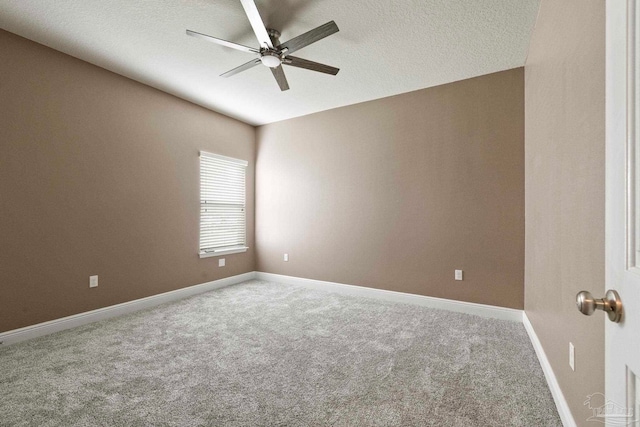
(222, 204)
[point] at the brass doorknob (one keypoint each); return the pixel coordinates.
(610, 304)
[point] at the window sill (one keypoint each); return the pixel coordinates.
(223, 252)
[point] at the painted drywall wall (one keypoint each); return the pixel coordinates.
(565, 164)
(399, 192)
(99, 176)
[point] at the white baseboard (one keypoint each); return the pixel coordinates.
(556, 392)
(440, 303)
(40, 329)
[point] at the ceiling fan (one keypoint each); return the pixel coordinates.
(272, 53)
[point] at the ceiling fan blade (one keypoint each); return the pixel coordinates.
(241, 68)
(294, 61)
(262, 35)
(278, 73)
(309, 37)
(222, 42)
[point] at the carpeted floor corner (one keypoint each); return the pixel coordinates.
(267, 354)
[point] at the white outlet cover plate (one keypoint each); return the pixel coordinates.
(458, 274)
(93, 281)
(221, 262)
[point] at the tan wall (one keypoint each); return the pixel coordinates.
(565, 148)
(397, 193)
(99, 175)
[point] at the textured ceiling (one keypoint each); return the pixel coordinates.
(383, 48)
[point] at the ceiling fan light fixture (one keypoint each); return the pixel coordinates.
(270, 59)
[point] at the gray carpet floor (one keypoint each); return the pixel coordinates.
(267, 354)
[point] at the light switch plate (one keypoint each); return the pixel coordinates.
(458, 275)
(286, 257)
(93, 281)
(221, 262)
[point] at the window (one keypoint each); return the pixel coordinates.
(222, 205)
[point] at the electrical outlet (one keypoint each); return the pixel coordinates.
(572, 356)
(286, 257)
(458, 275)
(221, 262)
(93, 281)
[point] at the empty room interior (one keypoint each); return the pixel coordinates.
(299, 213)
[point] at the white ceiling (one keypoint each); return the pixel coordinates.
(383, 48)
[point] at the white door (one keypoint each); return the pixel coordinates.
(622, 342)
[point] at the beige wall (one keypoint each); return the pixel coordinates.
(397, 193)
(565, 147)
(99, 175)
